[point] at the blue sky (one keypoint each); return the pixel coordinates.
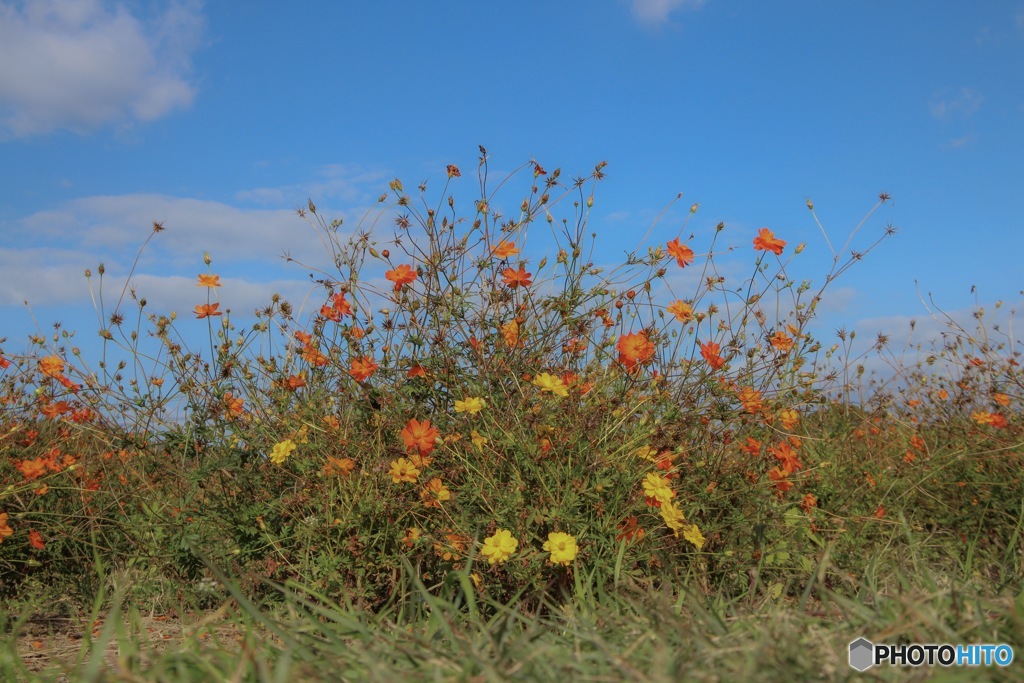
(220, 119)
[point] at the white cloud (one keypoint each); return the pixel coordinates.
(346, 182)
(658, 11)
(44, 259)
(955, 103)
(80, 64)
(191, 226)
(962, 141)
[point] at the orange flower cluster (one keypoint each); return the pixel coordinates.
(53, 367)
(310, 352)
(53, 461)
(338, 309)
(787, 455)
(992, 419)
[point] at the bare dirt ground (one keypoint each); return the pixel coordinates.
(48, 640)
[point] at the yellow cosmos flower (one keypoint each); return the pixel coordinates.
(694, 536)
(790, 419)
(500, 546)
(646, 452)
(551, 384)
(657, 487)
(403, 470)
(281, 451)
(673, 517)
(478, 440)
(435, 493)
(470, 405)
(562, 547)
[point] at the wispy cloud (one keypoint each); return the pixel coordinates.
(346, 182)
(46, 254)
(81, 64)
(655, 12)
(962, 141)
(955, 103)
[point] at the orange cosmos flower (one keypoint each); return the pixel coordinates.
(504, 249)
(809, 502)
(207, 310)
(710, 353)
(767, 241)
(682, 253)
(330, 313)
(32, 469)
(781, 341)
(753, 447)
(5, 529)
(313, 356)
(233, 405)
(629, 530)
(635, 349)
(780, 477)
(294, 382)
(207, 280)
(4, 363)
(401, 275)
(785, 454)
(340, 466)
(1001, 399)
(416, 371)
(751, 400)
(341, 304)
(682, 311)
(51, 366)
(362, 368)
(510, 333)
(420, 435)
(435, 493)
(35, 539)
(515, 278)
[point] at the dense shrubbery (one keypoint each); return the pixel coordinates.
(544, 422)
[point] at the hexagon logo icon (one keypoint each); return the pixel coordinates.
(862, 654)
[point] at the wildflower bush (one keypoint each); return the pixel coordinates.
(472, 395)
